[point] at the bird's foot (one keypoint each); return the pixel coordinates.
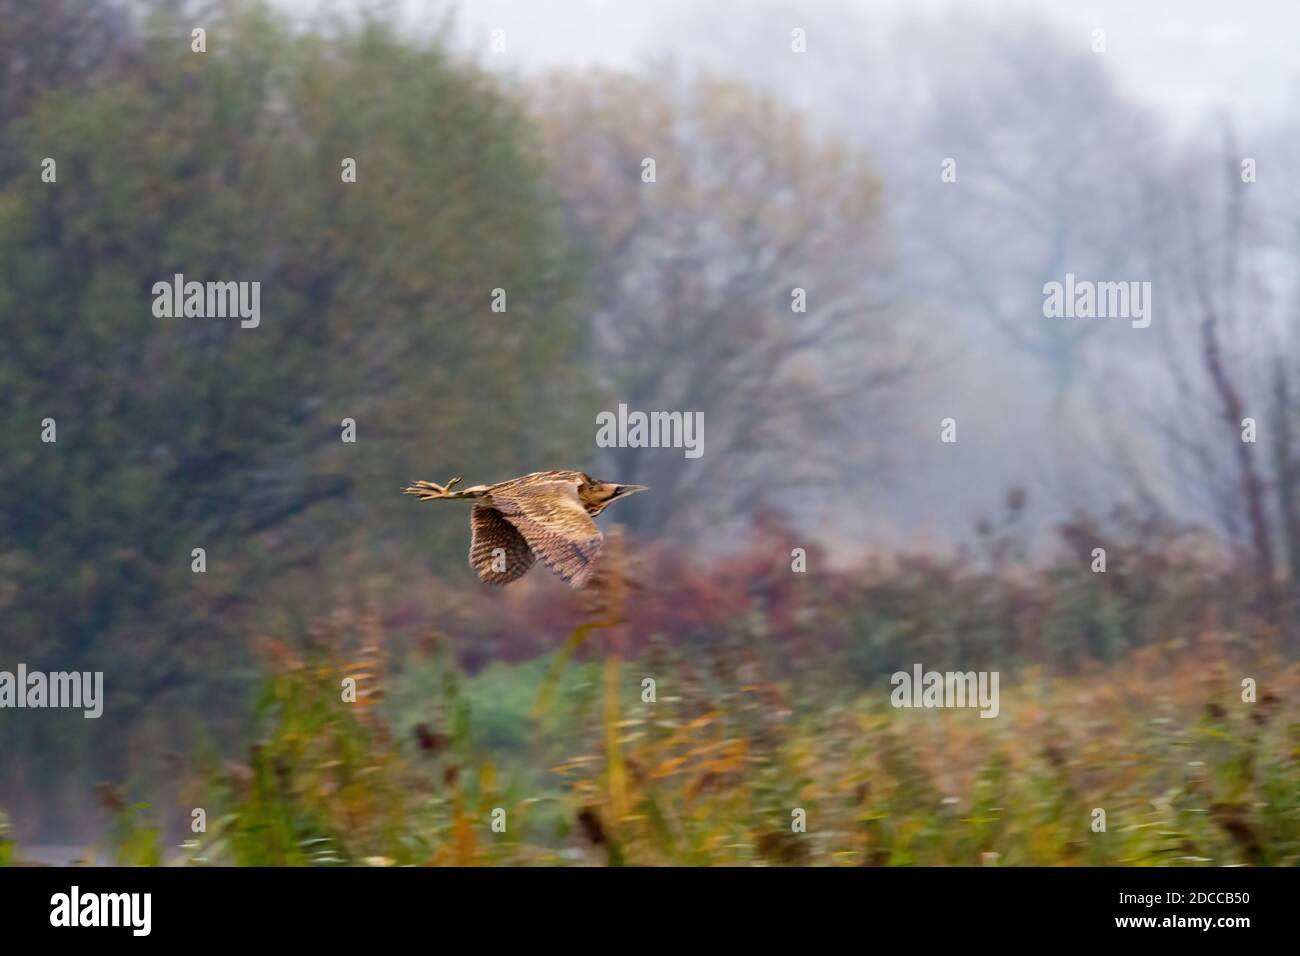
(429, 490)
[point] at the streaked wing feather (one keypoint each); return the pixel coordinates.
(556, 526)
(492, 531)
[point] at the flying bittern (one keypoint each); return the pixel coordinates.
(546, 515)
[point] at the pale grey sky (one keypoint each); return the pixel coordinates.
(1181, 56)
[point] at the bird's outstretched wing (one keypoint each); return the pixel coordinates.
(491, 531)
(555, 524)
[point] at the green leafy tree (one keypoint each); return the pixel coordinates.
(183, 433)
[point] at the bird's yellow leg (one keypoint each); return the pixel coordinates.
(430, 490)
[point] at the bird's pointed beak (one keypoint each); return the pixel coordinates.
(631, 489)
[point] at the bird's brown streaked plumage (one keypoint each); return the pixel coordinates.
(492, 531)
(547, 515)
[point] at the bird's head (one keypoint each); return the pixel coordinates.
(596, 495)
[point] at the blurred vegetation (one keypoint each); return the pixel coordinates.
(776, 710)
(693, 282)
